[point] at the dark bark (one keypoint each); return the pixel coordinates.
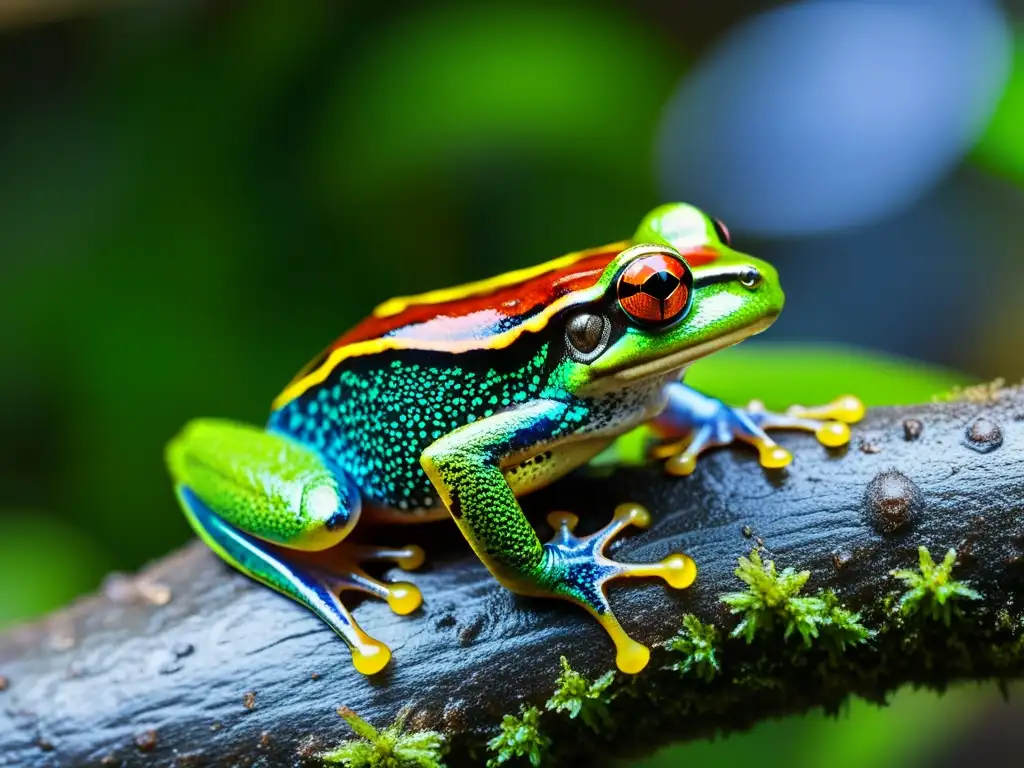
(191, 664)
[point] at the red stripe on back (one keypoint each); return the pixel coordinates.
(472, 316)
(481, 315)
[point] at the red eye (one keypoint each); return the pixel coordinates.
(655, 288)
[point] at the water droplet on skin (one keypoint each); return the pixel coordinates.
(983, 435)
(893, 501)
(869, 446)
(912, 429)
(468, 634)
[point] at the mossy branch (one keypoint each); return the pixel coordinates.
(896, 560)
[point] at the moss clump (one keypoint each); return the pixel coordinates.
(519, 737)
(840, 628)
(985, 393)
(773, 598)
(581, 698)
(931, 591)
(389, 748)
(696, 641)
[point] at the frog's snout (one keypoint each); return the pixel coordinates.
(761, 280)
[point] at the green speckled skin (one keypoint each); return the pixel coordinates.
(277, 490)
(415, 431)
(411, 399)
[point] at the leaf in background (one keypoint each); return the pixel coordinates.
(458, 82)
(784, 374)
(916, 725)
(49, 561)
(1001, 147)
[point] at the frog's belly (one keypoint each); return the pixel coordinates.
(529, 475)
(546, 467)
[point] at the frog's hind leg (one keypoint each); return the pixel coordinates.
(578, 570)
(312, 589)
(276, 510)
(694, 423)
(467, 470)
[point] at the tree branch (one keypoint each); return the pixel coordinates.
(189, 663)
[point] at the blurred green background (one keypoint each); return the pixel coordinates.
(197, 196)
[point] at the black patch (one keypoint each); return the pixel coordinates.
(661, 285)
(337, 520)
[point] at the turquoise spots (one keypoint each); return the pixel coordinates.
(374, 419)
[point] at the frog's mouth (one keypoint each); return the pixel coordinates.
(679, 360)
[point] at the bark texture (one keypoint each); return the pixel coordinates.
(189, 663)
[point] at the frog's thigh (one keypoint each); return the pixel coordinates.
(241, 487)
(466, 468)
(264, 483)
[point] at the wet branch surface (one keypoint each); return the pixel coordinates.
(189, 663)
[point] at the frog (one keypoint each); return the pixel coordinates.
(455, 403)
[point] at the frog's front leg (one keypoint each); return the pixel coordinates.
(693, 423)
(272, 508)
(466, 467)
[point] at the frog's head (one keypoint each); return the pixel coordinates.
(680, 293)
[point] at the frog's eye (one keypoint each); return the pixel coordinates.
(655, 289)
(587, 335)
(722, 231)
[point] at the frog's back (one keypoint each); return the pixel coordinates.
(488, 314)
(422, 366)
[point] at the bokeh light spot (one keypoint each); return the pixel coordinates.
(824, 115)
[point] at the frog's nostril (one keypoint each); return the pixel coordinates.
(751, 278)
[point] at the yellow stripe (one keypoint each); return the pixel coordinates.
(401, 303)
(375, 346)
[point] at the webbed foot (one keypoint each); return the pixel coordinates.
(342, 572)
(699, 423)
(577, 569)
(277, 511)
(315, 580)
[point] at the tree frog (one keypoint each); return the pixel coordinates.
(454, 403)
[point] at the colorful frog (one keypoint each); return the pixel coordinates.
(455, 402)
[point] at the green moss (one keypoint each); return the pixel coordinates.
(389, 748)
(984, 394)
(1006, 655)
(723, 680)
(519, 737)
(840, 628)
(696, 641)
(932, 592)
(772, 599)
(581, 698)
